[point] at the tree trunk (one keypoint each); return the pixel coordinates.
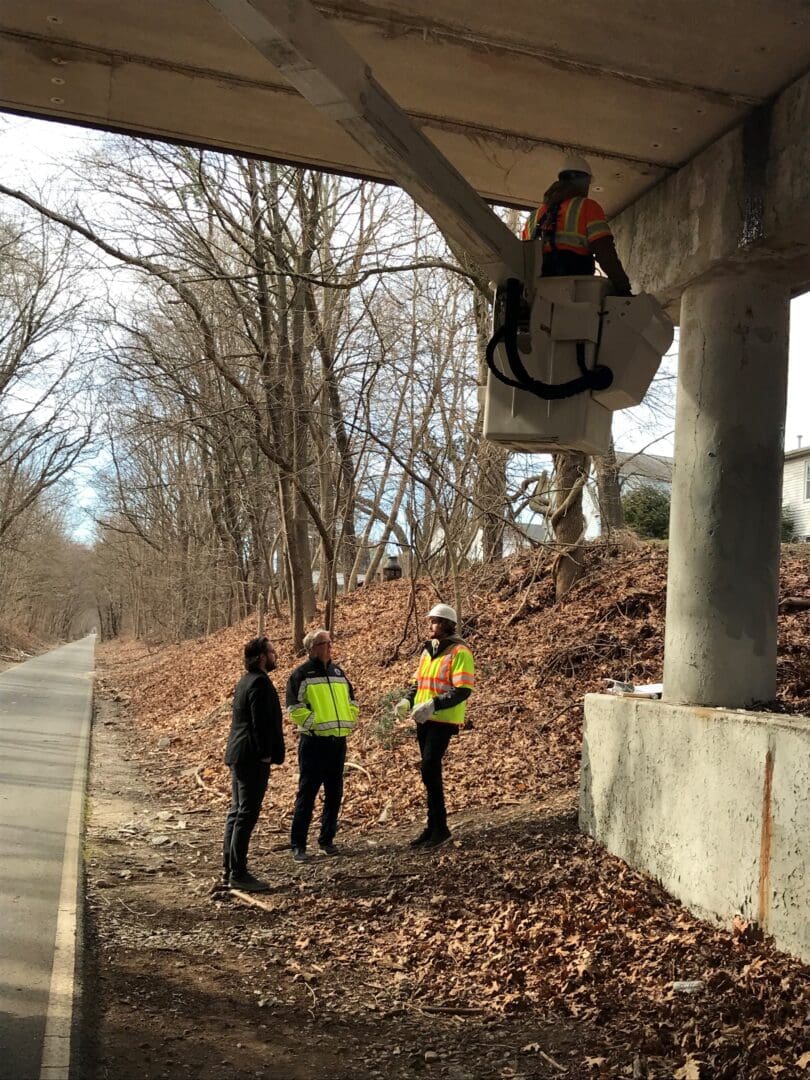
(567, 520)
(611, 512)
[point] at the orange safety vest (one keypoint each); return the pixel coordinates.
(579, 222)
(448, 671)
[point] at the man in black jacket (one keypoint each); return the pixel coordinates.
(255, 741)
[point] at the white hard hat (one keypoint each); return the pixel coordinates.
(575, 163)
(443, 611)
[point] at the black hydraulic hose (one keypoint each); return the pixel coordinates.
(599, 377)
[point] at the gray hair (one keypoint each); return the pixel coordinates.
(312, 637)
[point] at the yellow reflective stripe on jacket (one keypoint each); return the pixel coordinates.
(324, 706)
(572, 235)
(448, 671)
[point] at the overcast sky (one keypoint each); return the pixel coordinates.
(32, 152)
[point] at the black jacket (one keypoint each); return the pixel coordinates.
(256, 723)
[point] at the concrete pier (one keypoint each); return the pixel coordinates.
(722, 590)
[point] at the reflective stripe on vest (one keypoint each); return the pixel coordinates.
(324, 706)
(449, 671)
(579, 222)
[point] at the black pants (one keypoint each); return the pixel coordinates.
(248, 785)
(433, 742)
(567, 264)
(320, 763)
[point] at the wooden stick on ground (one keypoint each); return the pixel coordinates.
(207, 787)
(452, 1010)
(795, 603)
(354, 765)
(249, 898)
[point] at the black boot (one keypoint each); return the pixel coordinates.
(437, 838)
(422, 838)
(244, 881)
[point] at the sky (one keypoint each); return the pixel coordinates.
(33, 153)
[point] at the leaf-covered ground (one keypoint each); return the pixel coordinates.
(522, 917)
(17, 644)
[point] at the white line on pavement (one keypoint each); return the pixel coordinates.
(56, 1044)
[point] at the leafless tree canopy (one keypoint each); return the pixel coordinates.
(286, 371)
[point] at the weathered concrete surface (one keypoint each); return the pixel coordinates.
(723, 583)
(501, 88)
(712, 803)
(744, 201)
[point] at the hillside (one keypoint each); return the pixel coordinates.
(17, 644)
(535, 661)
(521, 950)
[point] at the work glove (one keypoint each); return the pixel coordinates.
(402, 708)
(422, 713)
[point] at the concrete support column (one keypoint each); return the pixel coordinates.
(723, 581)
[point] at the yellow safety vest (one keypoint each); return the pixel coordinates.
(319, 700)
(448, 671)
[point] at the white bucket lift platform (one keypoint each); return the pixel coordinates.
(574, 321)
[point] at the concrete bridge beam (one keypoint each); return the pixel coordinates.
(743, 203)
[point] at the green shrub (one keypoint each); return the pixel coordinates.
(788, 531)
(386, 727)
(646, 512)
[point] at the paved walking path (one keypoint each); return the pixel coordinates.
(44, 729)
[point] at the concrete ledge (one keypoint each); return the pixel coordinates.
(713, 803)
(745, 201)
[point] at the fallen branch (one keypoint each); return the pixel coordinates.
(548, 1058)
(562, 712)
(207, 787)
(360, 768)
(452, 1010)
(795, 603)
(145, 914)
(250, 899)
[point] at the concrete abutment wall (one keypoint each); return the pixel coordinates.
(714, 804)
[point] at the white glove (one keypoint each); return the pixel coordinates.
(402, 708)
(422, 713)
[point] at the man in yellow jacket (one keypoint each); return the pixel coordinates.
(437, 702)
(320, 702)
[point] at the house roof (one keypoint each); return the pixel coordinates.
(656, 467)
(799, 452)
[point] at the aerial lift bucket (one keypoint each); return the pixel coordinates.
(582, 354)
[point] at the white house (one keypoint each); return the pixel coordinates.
(796, 490)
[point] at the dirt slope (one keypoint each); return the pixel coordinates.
(521, 925)
(535, 661)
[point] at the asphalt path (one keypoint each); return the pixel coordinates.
(44, 728)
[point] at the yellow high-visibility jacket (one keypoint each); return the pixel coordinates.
(320, 700)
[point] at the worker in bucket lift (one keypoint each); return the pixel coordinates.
(573, 229)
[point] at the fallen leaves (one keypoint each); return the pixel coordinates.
(526, 914)
(690, 1070)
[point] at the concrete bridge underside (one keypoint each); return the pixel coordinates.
(697, 120)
